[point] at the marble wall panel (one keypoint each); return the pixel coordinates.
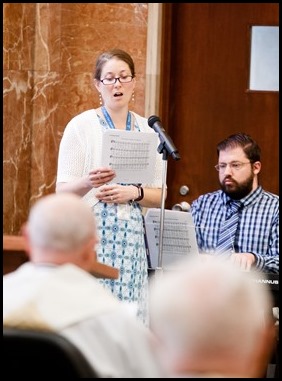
(18, 36)
(49, 52)
(17, 88)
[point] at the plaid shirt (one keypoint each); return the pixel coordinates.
(258, 228)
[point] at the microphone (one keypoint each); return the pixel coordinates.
(155, 123)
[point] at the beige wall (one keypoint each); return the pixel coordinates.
(49, 52)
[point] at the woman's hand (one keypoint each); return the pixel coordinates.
(116, 193)
(100, 176)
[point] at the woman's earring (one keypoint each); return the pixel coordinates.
(100, 99)
(132, 97)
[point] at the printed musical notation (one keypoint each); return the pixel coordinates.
(179, 236)
(131, 154)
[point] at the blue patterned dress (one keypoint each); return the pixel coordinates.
(122, 245)
(121, 230)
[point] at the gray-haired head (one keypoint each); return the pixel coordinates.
(60, 222)
(208, 311)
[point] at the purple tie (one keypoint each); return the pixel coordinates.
(228, 229)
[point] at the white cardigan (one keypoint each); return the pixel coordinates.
(81, 150)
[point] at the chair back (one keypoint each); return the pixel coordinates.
(42, 354)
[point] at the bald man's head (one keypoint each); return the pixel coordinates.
(61, 222)
(211, 317)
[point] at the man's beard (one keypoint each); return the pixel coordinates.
(237, 191)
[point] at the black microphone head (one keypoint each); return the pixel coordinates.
(153, 119)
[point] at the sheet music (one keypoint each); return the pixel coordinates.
(131, 154)
(179, 236)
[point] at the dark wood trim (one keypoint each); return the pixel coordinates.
(14, 254)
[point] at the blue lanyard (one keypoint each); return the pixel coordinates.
(110, 122)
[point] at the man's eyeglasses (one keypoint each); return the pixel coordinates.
(235, 166)
(112, 81)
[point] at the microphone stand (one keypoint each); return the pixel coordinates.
(162, 149)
